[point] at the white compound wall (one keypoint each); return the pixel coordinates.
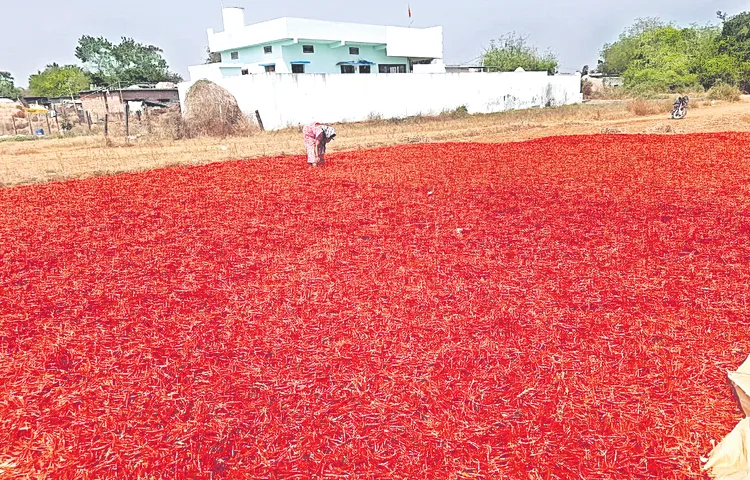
(286, 100)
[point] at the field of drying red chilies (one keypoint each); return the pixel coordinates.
(560, 308)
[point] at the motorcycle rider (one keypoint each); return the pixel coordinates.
(679, 108)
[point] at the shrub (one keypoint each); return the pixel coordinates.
(587, 88)
(641, 107)
(461, 111)
(652, 82)
(610, 93)
(723, 91)
(458, 112)
(169, 123)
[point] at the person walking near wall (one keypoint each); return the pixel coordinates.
(316, 137)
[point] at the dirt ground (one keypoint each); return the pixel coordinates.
(48, 160)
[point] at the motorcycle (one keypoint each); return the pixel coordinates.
(680, 107)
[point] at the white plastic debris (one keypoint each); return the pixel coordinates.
(730, 459)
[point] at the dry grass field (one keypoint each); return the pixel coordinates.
(50, 159)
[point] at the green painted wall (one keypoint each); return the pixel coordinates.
(324, 60)
(231, 72)
(247, 55)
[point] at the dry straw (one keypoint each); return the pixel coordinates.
(210, 110)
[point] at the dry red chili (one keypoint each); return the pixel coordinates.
(561, 308)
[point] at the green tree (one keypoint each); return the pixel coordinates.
(616, 56)
(57, 81)
(733, 47)
(671, 58)
(7, 87)
(656, 57)
(734, 39)
(652, 56)
(711, 64)
(511, 51)
(212, 57)
(124, 63)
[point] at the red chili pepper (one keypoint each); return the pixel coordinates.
(560, 308)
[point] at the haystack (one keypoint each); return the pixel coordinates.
(210, 110)
(8, 109)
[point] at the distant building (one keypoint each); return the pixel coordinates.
(298, 45)
(51, 102)
(103, 101)
(601, 81)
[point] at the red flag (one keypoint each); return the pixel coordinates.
(409, 11)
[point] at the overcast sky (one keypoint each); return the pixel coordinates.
(45, 31)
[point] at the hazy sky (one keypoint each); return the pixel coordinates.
(46, 31)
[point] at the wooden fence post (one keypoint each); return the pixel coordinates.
(88, 120)
(15, 130)
(31, 127)
(260, 122)
(106, 124)
(49, 129)
(127, 119)
(57, 122)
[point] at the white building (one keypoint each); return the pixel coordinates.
(297, 45)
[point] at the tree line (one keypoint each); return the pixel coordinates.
(651, 55)
(654, 56)
(103, 64)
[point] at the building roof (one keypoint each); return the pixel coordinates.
(50, 100)
(129, 91)
(398, 41)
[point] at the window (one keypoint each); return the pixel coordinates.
(298, 68)
(364, 69)
(347, 68)
(353, 50)
(392, 68)
(308, 49)
(245, 71)
(268, 49)
(270, 68)
(235, 55)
